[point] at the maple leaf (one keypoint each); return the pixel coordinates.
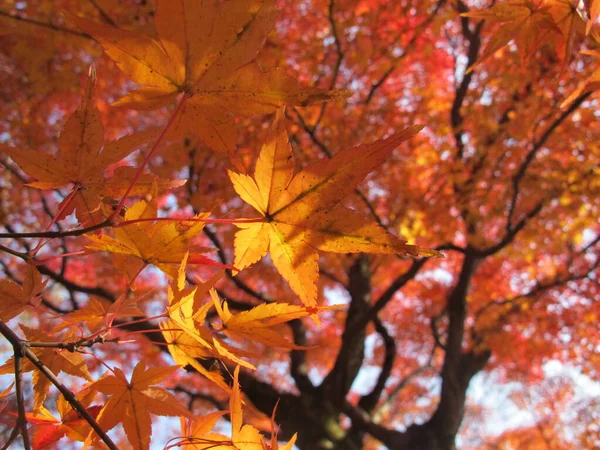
(82, 159)
(56, 360)
(4, 394)
(94, 313)
(242, 436)
(187, 314)
(185, 303)
(303, 213)
(570, 23)
(593, 9)
(162, 243)
(528, 22)
(48, 429)
(592, 83)
(196, 433)
(186, 350)
(254, 324)
(274, 444)
(205, 49)
(15, 298)
(132, 402)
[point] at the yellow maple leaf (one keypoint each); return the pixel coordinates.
(132, 402)
(14, 298)
(187, 313)
(205, 49)
(255, 324)
(186, 350)
(303, 212)
(163, 243)
(82, 159)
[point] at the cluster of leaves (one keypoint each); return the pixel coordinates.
(504, 181)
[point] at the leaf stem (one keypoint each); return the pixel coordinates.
(145, 319)
(187, 219)
(112, 313)
(140, 170)
(39, 262)
(64, 205)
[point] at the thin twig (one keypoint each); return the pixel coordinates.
(24, 349)
(537, 145)
(103, 14)
(21, 420)
(45, 25)
(56, 234)
(10, 251)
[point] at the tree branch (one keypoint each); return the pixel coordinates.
(21, 419)
(474, 40)
(338, 381)
(535, 148)
(199, 396)
(369, 401)
(338, 61)
(406, 49)
(298, 366)
(455, 379)
(313, 136)
(389, 293)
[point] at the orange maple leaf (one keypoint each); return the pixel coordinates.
(132, 402)
(48, 429)
(205, 50)
(4, 394)
(592, 83)
(568, 20)
(593, 9)
(82, 159)
(94, 313)
(162, 243)
(528, 22)
(303, 211)
(56, 360)
(14, 298)
(196, 433)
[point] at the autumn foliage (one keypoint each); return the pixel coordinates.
(325, 223)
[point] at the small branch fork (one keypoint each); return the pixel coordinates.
(22, 349)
